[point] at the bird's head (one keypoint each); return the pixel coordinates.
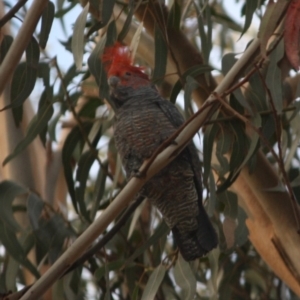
(121, 72)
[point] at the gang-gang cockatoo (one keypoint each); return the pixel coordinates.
(144, 120)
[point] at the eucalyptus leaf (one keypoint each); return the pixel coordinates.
(9, 190)
(274, 77)
(84, 166)
(35, 127)
(47, 20)
(161, 55)
(77, 44)
(185, 278)
(153, 283)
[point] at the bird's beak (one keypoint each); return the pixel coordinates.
(113, 81)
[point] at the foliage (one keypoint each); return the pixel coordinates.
(141, 261)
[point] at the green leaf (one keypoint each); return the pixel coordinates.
(153, 283)
(77, 44)
(52, 127)
(84, 165)
(44, 73)
(13, 247)
(256, 93)
(47, 20)
(72, 140)
(46, 99)
(185, 278)
(196, 70)
(269, 23)
(8, 192)
(274, 78)
(208, 141)
(5, 45)
(241, 232)
(223, 146)
(161, 231)
(111, 266)
(250, 7)
(174, 16)
(239, 96)
(254, 278)
(50, 230)
(254, 142)
(99, 189)
(36, 126)
(97, 70)
(24, 77)
(212, 195)
(239, 147)
(213, 257)
(89, 108)
(230, 202)
(111, 34)
(228, 61)
(127, 22)
(107, 9)
(161, 55)
(205, 37)
(35, 207)
(191, 85)
(175, 91)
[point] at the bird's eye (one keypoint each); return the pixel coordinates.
(128, 73)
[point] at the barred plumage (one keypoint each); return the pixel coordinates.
(144, 120)
(142, 124)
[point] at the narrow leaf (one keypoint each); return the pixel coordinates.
(154, 282)
(84, 166)
(135, 40)
(77, 44)
(175, 91)
(185, 278)
(268, 23)
(250, 7)
(274, 78)
(208, 142)
(8, 192)
(161, 54)
(107, 9)
(161, 231)
(14, 248)
(127, 22)
(174, 16)
(47, 20)
(97, 70)
(36, 126)
(74, 137)
(25, 75)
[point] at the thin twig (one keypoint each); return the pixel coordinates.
(231, 118)
(10, 14)
(248, 123)
(100, 244)
(21, 42)
(280, 154)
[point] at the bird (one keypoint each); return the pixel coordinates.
(143, 121)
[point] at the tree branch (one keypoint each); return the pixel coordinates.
(21, 42)
(12, 12)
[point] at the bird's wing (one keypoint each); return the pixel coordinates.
(190, 152)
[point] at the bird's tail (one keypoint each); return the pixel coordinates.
(197, 243)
